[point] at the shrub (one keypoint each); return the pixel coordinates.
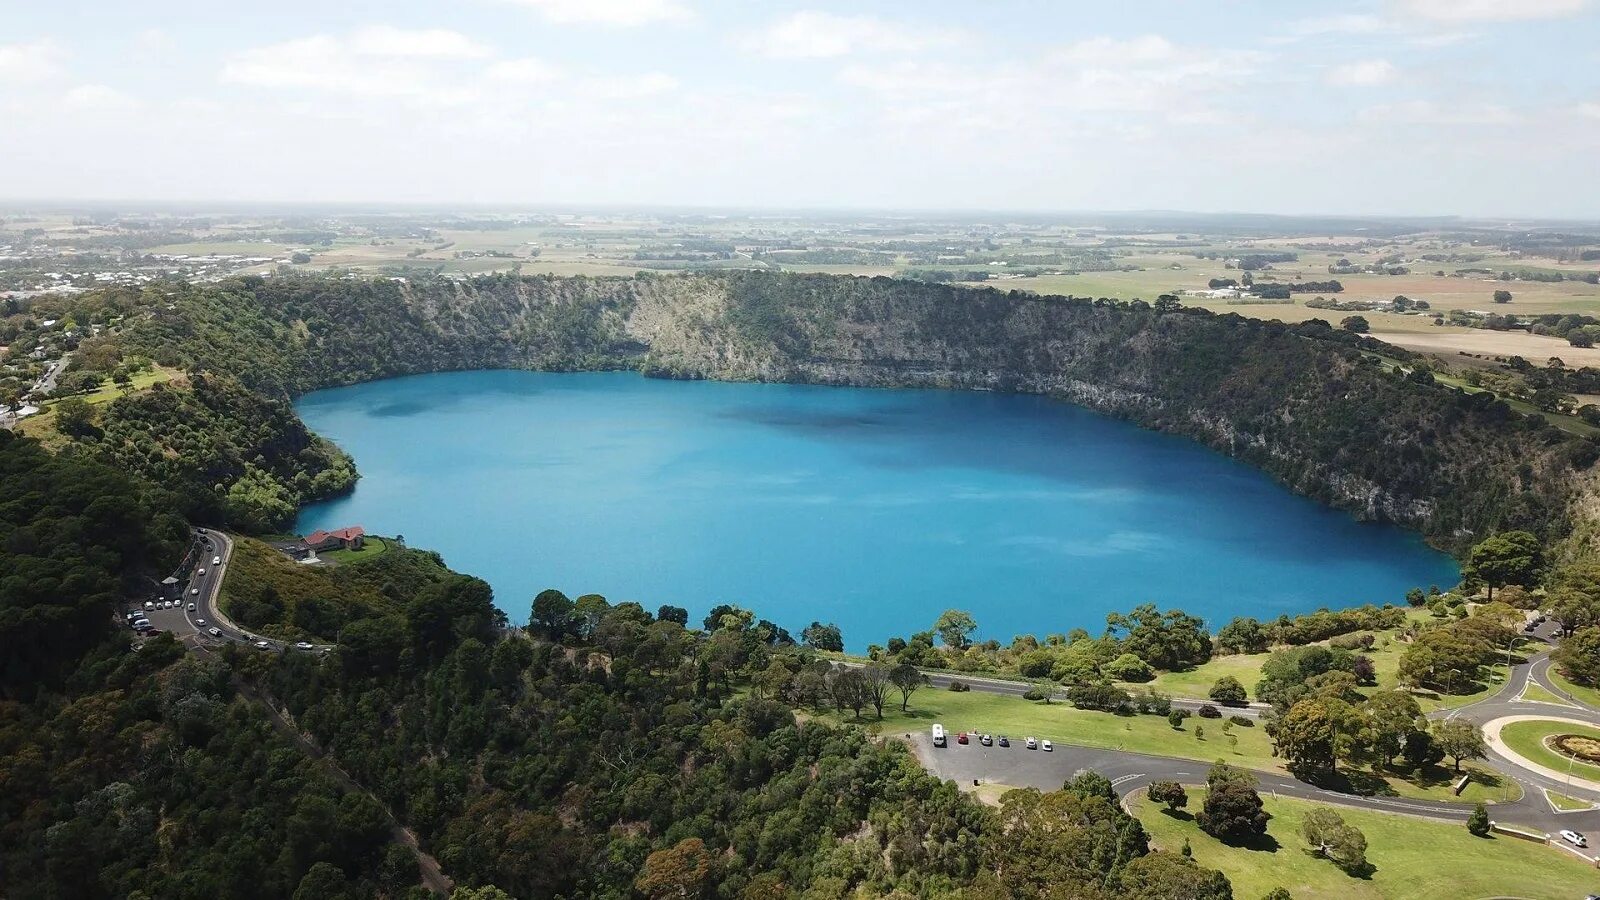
(1207, 711)
(1102, 696)
(1128, 667)
(959, 687)
(1228, 691)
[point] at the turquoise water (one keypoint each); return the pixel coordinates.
(874, 509)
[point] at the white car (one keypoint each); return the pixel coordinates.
(200, 622)
(1046, 746)
(149, 604)
(303, 645)
(200, 571)
(191, 607)
(214, 632)
(263, 645)
(1574, 838)
(216, 560)
(194, 592)
(1032, 743)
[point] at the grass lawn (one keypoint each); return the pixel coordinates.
(1536, 693)
(1061, 722)
(1412, 858)
(1527, 739)
(1563, 803)
(43, 424)
(372, 546)
(1583, 694)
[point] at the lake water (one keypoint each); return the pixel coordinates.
(874, 509)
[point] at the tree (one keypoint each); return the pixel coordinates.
(1171, 640)
(75, 418)
(849, 690)
(1502, 296)
(1460, 740)
(1159, 876)
(1579, 656)
(823, 637)
(1232, 810)
(907, 678)
(1510, 557)
(1168, 793)
(552, 614)
(1355, 324)
(1128, 667)
(1228, 691)
(673, 614)
(1278, 893)
(955, 627)
(878, 680)
(1307, 737)
(1478, 822)
(1328, 836)
(1391, 716)
(1243, 635)
(678, 872)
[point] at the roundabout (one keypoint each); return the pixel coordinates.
(1561, 749)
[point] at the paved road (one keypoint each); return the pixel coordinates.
(1134, 771)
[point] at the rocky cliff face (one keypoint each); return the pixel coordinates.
(1302, 403)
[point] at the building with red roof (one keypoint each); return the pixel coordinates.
(351, 538)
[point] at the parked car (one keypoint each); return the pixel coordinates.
(961, 738)
(1574, 838)
(214, 632)
(200, 622)
(263, 645)
(149, 604)
(986, 740)
(1046, 746)
(303, 645)
(141, 623)
(1032, 744)
(216, 560)
(1005, 741)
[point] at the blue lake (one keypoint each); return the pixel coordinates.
(874, 509)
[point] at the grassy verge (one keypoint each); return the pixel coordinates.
(1586, 695)
(1248, 748)
(1527, 740)
(1563, 803)
(371, 547)
(1534, 692)
(1411, 858)
(42, 425)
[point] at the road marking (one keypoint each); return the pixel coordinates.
(1122, 778)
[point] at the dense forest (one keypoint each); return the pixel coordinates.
(1307, 403)
(608, 752)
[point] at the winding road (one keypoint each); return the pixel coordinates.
(1131, 772)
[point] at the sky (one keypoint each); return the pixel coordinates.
(1412, 107)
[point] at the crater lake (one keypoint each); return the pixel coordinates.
(873, 509)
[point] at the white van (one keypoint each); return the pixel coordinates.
(938, 735)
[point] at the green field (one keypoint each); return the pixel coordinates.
(43, 424)
(1415, 859)
(1582, 693)
(371, 547)
(1061, 722)
(1564, 803)
(1535, 692)
(1527, 740)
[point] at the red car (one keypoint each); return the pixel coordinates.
(961, 738)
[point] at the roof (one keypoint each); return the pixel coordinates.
(343, 534)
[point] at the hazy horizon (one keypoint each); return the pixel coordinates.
(1479, 109)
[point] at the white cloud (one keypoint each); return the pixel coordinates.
(812, 34)
(97, 98)
(428, 43)
(1589, 110)
(1362, 73)
(525, 71)
(1106, 51)
(1492, 10)
(1349, 23)
(30, 62)
(628, 87)
(622, 13)
(330, 65)
(1427, 112)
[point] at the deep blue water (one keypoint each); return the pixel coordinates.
(875, 509)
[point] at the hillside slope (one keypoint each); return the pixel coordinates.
(1300, 402)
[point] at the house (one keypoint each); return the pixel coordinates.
(351, 538)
